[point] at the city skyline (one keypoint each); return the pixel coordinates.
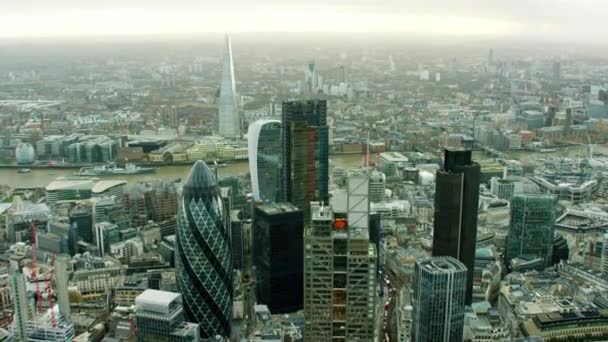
(446, 181)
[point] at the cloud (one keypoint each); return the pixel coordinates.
(552, 18)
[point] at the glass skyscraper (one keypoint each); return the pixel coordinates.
(439, 295)
(305, 153)
(532, 229)
(278, 235)
(456, 202)
(265, 154)
(203, 258)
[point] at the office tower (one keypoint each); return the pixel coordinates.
(312, 81)
(238, 239)
(81, 217)
(229, 120)
(164, 201)
(305, 153)
(532, 229)
(265, 154)
(22, 314)
(159, 316)
(278, 253)
(340, 271)
(439, 296)
(377, 184)
(61, 286)
(491, 57)
(557, 71)
(456, 202)
(137, 204)
(203, 258)
(106, 234)
(604, 254)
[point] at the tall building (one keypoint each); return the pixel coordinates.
(22, 314)
(556, 71)
(106, 234)
(340, 270)
(305, 153)
(229, 120)
(456, 202)
(532, 229)
(159, 316)
(81, 218)
(61, 285)
(605, 254)
(203, 258)
(265, 154)
(377, 186)
(278, 254)
(439, 300)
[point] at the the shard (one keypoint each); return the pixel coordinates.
(229, 121)
(203, 259)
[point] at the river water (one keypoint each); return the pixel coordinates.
(42, 177)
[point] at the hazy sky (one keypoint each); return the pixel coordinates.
(574, 20)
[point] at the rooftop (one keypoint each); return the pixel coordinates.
(105, 185)
(394, 157)
(70, 184)
(277, 208)
(157, 301)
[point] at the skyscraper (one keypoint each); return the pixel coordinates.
(340, 270)
(203, 258)
(456, 202)
(439, 294)
(22, 314)
(229, 120)
(532, 229)
(265, 154)
(557, 71)
(305, 153)
(278, 254)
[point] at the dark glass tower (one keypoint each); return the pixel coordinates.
(278, 253)
(532, 229)
(439, 300)
(305, 153)
(203, 258)
(456, 202)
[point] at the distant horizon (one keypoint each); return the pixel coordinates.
(554, 20)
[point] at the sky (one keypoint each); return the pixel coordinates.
(570, 20)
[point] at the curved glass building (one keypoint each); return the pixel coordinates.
(203, 258)
(265, 153)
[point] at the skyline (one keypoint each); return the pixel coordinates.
(466, 18)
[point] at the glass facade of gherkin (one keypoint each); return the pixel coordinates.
(203, 258)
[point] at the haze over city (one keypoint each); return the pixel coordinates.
(303, 171)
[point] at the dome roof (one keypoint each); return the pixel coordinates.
(201, 181)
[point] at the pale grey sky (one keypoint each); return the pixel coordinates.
(574, 20)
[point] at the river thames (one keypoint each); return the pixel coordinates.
(42, 177)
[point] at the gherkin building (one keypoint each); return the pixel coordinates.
(203, 259)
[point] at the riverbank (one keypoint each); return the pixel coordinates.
(41, 177)
(52, 164)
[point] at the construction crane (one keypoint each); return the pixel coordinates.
(49, 291)
(34, 266)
